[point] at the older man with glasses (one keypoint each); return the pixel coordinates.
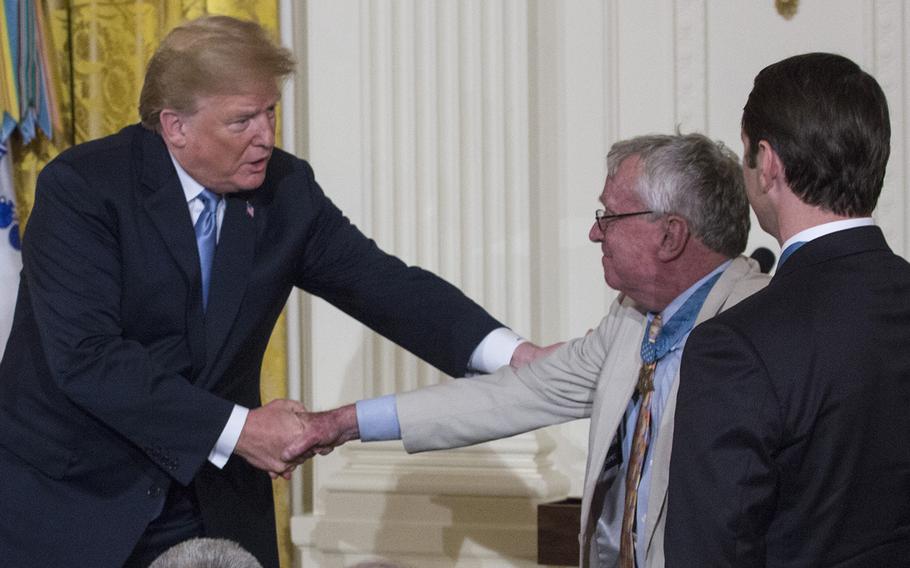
(673, 224)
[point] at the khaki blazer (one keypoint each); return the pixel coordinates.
(589, 377)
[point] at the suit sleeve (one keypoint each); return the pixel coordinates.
(548, 391)
(408, 305)
(72, 267)
(722, 487)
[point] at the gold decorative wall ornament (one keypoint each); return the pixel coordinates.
(786, 8)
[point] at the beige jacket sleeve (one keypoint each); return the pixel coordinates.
(549, 391)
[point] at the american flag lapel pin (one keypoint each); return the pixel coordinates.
(250, 212)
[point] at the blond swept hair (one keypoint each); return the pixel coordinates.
(212, 55)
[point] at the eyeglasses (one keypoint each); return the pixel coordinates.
(603, 219)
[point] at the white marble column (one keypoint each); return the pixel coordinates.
(890, 63)
(444, 101)
(435, 167)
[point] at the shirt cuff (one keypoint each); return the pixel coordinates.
(377, 419)
(227, 441)
(495, 350)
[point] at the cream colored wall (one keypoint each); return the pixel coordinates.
(469, 137)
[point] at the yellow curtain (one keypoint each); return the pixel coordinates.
(100, 50)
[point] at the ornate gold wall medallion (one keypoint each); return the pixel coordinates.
(786, 8)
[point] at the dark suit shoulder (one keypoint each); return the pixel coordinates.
(102, 165)
(284, 163)
(293, 197)
(287, 176)
(120, 141)
(829, 326)
(762, 312)
(834, 285)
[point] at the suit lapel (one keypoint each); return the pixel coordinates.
(720, 293)
(230, 273)
(164, 207)
(616, 382)
(165, 203)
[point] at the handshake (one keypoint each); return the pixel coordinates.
(283, 434)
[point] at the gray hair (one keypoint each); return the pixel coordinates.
(206, 553)
(694, 177)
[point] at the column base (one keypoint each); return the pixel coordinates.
(472, 507)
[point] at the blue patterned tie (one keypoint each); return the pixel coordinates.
(206, 238)
(788, 251)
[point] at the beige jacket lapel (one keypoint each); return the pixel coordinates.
(614, 389)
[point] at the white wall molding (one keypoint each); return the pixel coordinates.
(515, 467)
(444, 98)
(891, 67)
(690, 68)
(441, 102)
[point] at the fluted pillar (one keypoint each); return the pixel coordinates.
(437, 172)
(445, 113)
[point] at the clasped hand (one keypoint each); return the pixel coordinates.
(281, 435)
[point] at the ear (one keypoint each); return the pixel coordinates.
(770, 167)
(675, 238)
(173, 128)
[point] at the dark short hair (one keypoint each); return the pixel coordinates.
(828, 121)
(694, 177)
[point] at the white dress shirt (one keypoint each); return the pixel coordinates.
(817, 231)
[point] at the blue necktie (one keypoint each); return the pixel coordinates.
(206, 238)
(788, 251)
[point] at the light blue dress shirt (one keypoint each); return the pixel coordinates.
(377, 418)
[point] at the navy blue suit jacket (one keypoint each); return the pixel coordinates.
(791, 445)
(115, 385)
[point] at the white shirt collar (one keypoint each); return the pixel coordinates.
(191, 187)
(826, 229)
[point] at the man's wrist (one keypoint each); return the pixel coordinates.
(496, 350)
(524, 353)
(227, 441)
(377, 419)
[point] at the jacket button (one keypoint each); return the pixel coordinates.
(154, 491)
